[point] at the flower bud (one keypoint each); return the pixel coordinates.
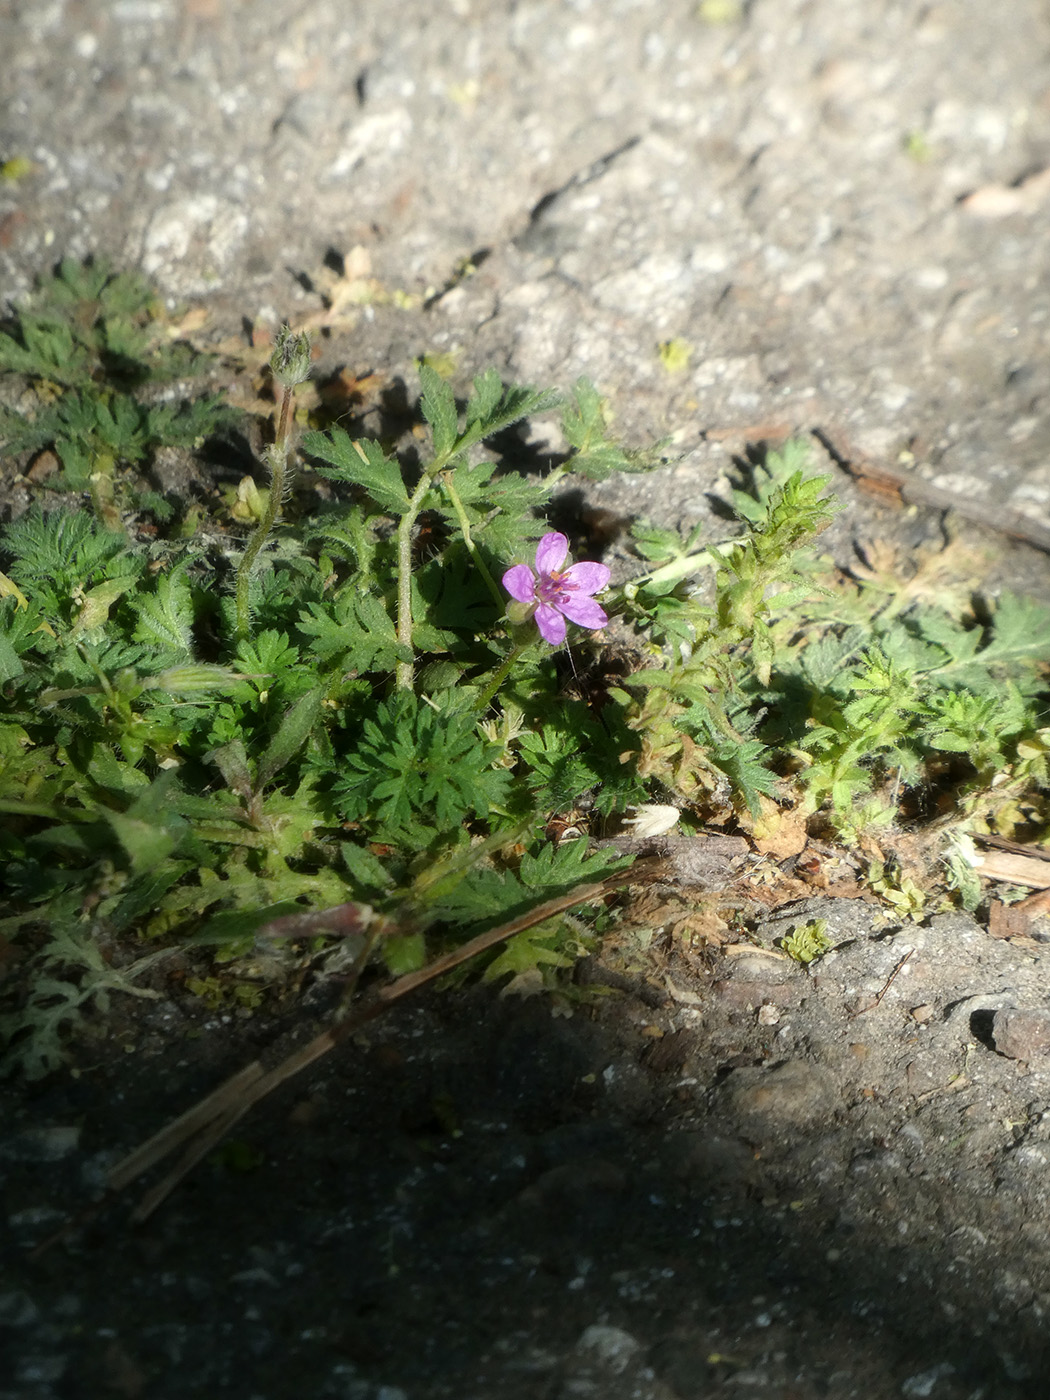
(192, 677)
(290, 361)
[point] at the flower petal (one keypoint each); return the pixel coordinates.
(520, 583)
(586, 577)
(551, 552)
(551, 624)
(585, 612)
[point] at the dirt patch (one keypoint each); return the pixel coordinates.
(765, 1176)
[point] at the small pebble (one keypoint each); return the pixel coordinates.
(41, 1144)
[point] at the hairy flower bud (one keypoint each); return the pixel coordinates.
(290, 361)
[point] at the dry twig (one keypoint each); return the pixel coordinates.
(204, 1125)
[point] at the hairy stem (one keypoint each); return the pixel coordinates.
(405, 669)
(277, 459)
(681, 568)
(484, 700)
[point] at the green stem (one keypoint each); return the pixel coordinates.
(464, 525)
(278, 462)
(681, 568)
(405, 669)
(484, 700)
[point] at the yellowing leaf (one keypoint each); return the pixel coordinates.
(94, 611)
(249, 504)
(15, 169)
(675, 355)
(719, 11)
(11, 590)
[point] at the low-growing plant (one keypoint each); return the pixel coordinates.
(372, 705)
(96, 362)
(808, 943)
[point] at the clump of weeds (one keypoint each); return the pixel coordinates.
(367, 708)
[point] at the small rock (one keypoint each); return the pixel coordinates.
(41, 1144)
(17, 1310)
(42, 1369)
(573, 1183)
(611, 1346)
(925, 1383)
(744, 994)
(1021, 1035)
(794, 1092)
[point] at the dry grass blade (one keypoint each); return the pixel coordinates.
(193, 1121)
(204, 1125)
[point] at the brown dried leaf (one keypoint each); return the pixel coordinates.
(1007, 920)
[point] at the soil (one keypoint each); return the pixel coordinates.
(734, 1174)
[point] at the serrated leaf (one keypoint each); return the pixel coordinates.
(149, 830)
(166, 615)
(743, 766)
(583, 423)
(362, 462)
(146, 843)
(366, 870)
(404, 953)
(417, 764)
(656, 544)
(439, 409)
(482, 404)
(517, 402)
(232, 762)
(824, 661)
(10, 665)
(355, 628)
(527, 952)
(553, 869)
(1020, 632)
(292, 734)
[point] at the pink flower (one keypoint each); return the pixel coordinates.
(558, 593)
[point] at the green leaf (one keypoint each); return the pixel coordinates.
(232, 762)
(439, 409)
(235, 926)
(165, 617)
(356, 629)
(517, 402)
(583, 423)
(404, 953)
(268, 656)
(61, 550)
(574, 754)
(10, 665)
(553, 870)
(147, 845)
(361, 462)
(527, 952)
(483, 402)
(419, 765)
(743, 765)
(150, 830)
(367, 872)
(292, 734)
